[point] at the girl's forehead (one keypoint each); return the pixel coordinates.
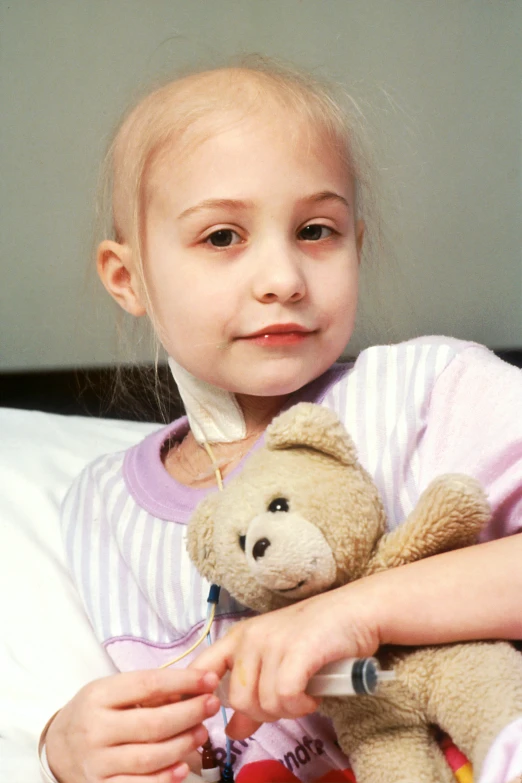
(264, 130)
(174, 124)
(259, 163)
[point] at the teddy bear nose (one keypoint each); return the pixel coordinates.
(260, 548)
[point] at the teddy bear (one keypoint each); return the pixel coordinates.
(303, 517)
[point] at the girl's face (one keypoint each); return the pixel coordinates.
(251, 256)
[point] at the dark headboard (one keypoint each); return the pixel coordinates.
(107, 392)
(95, 392)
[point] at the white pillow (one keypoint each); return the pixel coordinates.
(47, 647)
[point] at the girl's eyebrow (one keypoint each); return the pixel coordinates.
(325, 195)
(230, 203)
(216, 203)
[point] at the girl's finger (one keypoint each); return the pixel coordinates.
(150, 758)
(218, 657)
(179, 772)
(297, 705)
(174, 774)
(160, 723)
(295, 671)
(241, 726)
(244, 688)
(243, 693)
(267, 687)
(154, 685)
(277, 697)
(292, 678)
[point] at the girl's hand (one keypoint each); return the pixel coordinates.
(135, 727)
(272, 657)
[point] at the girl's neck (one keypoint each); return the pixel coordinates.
(258, 412)
(189, 463)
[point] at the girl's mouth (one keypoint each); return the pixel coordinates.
(279, 334)
(280, 338)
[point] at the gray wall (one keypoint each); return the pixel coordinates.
(444, 80)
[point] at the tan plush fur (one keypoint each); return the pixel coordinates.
(304, 517)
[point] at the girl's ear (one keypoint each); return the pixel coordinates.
(118, 275)
(359, 236)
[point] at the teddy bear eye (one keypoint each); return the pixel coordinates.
(242, 542)
(278, 504)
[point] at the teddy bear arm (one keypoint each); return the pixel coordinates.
(473, 691)
(386, 741)
(401, 754)
(450, 514)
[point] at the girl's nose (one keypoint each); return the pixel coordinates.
(279, 279)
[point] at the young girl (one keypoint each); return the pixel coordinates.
(238, 230)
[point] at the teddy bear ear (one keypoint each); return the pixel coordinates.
(200, 538)
(313, 426)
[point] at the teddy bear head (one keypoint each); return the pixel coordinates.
(302, 517)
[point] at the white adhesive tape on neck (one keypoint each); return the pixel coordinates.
(214, 414)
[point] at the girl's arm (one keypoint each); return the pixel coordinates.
(471, 593)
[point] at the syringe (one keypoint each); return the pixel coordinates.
(349, 677)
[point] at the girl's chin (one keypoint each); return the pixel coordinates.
(281, 385)
(273, 374)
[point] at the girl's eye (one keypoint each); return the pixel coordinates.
(224, 237)
(314, 232)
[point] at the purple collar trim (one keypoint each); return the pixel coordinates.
(157, 492)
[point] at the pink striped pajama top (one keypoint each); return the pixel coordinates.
(415, 410)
